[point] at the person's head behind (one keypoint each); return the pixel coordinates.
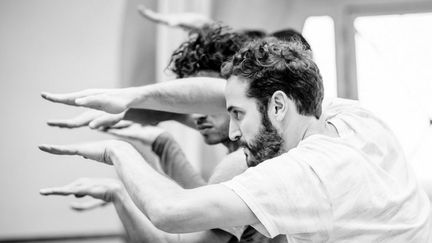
(263, 73)
(203, 55)
(205, 50)
(291, 35)
(253, 34)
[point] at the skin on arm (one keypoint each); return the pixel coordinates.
(189, 95)
(96, 119)
(137, 226)
(187, 21)
(172, 160)
(232, 165)
(168, 206)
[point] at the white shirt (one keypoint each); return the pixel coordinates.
(356, 187)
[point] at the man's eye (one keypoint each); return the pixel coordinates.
(236, 115)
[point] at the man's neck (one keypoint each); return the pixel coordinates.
(300, 128)
(319, 126)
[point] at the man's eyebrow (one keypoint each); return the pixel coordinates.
(232, 107)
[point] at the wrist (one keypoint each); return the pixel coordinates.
(119, 193)
(137, 95)
(116, 149)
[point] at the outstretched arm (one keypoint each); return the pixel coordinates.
(168, 206)
(187, 21)
(99, 119)
(189, 95)
(173, 161)
(138, 227)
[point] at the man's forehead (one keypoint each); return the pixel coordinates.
(235, 91)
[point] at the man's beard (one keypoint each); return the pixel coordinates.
(265, 145)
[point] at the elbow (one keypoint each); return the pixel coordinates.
(165, 216)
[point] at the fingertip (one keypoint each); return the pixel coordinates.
(51, 123)
(80, 101)
(93, 125)
(44, 94)
(142, 8)
(76, 208)
(42, 146)
(44, 191)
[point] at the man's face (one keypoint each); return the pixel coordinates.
(258, 137)
(214, 128)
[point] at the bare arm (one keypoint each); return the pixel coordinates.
(153, 117)
(187, 21)
(138, 227)
(172, 208)
(168, 206)
(98, 119)
(173, 161)
(189, 95)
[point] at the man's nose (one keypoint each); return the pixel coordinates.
(234, 131)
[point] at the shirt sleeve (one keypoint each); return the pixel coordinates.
(286, 196)
(174, 162)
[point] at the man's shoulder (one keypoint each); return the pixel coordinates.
(231, 165)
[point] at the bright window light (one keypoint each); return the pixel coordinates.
(319, 32)
(394, 59)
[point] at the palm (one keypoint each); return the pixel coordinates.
(98, 151)
(104, 188)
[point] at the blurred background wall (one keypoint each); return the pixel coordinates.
(59, 46)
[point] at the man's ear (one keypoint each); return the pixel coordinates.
(279, 105)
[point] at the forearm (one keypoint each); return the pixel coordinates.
(146, 187)
(153, 117)
(172, 208)
(137, 226)
(189, 95)
(174, 162)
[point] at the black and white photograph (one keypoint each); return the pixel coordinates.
(216, 121)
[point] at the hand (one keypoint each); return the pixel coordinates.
(110, 100)
(145, 134)
(100, 151)
(88, 205)
(188, 21)
(93, 118)
(103, 189)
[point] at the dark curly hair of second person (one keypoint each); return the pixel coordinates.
(205, 50)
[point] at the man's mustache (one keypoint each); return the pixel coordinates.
(244, 144)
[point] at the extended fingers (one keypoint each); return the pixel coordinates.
(79, 121)
(59, 149)
(61, 191)
(106, 120)
(151, 15)
(82, 206)
(69, 98)
(122, 124)
(104, 102)
(91, 150)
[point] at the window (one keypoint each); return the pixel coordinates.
(319, 32)
(394, 59)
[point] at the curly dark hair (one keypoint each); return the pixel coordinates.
(205, 50)
(270, 65)
(291, 35)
